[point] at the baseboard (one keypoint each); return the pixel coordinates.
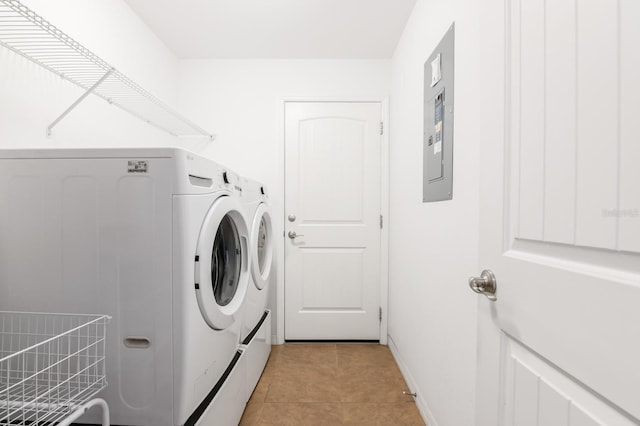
(426, 414)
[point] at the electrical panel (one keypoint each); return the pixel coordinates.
(437, 177)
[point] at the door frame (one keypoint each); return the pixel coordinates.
(384, 208)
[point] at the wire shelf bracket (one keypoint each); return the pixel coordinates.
(29, 35)
(77, 102)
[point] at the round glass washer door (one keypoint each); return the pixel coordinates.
(222, 263)
(261, 246)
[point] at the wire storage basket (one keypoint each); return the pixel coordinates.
(51, 366)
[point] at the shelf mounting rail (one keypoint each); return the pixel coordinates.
(31, 36)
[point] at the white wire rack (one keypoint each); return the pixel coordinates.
(30, 35)
(51, 366)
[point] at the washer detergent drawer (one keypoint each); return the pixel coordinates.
(227, 406)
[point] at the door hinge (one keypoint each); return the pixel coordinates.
(380, 313)
(382, 128)
(381, 221)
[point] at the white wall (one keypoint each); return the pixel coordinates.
(241, 101)
(434, 246)
(32, 97)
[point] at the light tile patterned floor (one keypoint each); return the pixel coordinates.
(331, 384)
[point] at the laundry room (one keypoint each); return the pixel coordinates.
(319, 212)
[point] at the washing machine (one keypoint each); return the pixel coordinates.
(157, 239)
(256, 330)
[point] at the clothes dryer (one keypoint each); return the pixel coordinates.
(256, 330)
(157, 239)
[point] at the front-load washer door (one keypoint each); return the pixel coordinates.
(222, 263)
(262, 246)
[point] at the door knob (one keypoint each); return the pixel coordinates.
(485, 284)
(292, 218)
(292, 235)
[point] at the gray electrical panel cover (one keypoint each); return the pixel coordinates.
(437, 143)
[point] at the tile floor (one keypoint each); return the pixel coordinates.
(331, 384)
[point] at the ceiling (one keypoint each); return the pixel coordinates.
(354, 29)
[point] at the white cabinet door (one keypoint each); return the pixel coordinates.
(332, 223)
(560, 214)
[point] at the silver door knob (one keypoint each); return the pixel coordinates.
(292, 235)
(292, 218)
(485, 284)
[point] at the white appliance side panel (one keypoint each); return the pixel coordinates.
(84, 235)
(144, 291)
(144, 249)
(80, 254)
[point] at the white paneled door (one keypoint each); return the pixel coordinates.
(560, 214)
(332, 220)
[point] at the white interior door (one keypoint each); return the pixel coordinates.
(560, 215)
(332, 204)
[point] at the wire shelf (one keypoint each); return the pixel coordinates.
(31, 36)
(51, 365)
